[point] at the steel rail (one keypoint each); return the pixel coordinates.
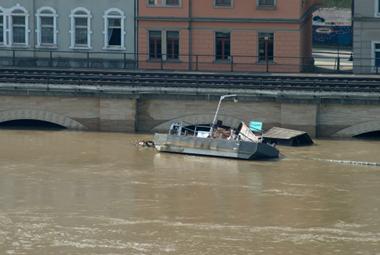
(221, 76)
(188, 80)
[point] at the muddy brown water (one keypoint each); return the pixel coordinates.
(98, 193)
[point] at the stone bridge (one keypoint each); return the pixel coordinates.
(340, 116)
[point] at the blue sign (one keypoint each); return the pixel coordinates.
(256, 126)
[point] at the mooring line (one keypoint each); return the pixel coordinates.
(350, 162)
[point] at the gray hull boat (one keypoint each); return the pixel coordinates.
(214, 147)
(215, 140)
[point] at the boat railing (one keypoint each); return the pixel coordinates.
(203, 131)
(181, 129)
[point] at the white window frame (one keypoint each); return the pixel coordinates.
(107, 15)
(10, 25)
(72, 16)
(373, 54)
(39, 15)
(377, 11)
(2, 13)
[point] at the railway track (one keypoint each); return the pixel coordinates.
(325, 83)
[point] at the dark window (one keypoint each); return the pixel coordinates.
(81, 31)
(172, 2)
(47, 30)
(223, 3)
(266, 3)
(377, 54)
(222, 46)
(172, 44)
(19, 28)
(155, 44)
(266, 46)
(1, 29)
(377, 62)
(114, 32)
(152, 2)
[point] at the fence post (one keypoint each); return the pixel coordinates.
(13, 57)
(232, 63)
(338, 64)
(137, 57)
(88, 59)
(125, 60)
(190, 60)
(50, 58)
(162, 62)
(266, 38)
(196, 62)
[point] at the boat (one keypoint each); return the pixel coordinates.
(287, 137)
(215, 139)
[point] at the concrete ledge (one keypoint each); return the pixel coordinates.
(149, 109)
(137, 91)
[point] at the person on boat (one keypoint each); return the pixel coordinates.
(233, 135)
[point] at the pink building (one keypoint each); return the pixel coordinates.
(225, 35)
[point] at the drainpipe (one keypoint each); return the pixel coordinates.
(352, 18)
(352, 11)
(33, 26)
(190, 29)
(136, 53)
(352, 28)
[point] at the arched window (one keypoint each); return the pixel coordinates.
(114, 34)
(46, 27)
(19, 26)
(80, 28)
(2, 27)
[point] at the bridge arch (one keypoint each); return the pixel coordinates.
(25, 114)
(359, 129)
(198, 119)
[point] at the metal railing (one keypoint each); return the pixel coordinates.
(319, 63)
(35, 79)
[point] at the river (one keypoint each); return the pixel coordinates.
(98, 193)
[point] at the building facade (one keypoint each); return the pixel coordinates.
(204, 35)
(366, 50)
(238, 35)
(101, 29)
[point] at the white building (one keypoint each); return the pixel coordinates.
(40, 32)
(367, 36)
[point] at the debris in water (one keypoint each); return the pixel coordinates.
(144, 143)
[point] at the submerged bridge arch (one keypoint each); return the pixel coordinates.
(26, 114)
(359, 129)
(198, 119)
